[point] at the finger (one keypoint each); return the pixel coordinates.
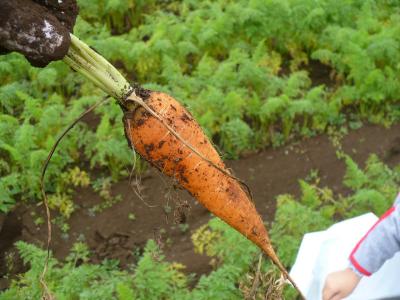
(328, 294)
(30, 29)
(64, 10)
(337, 296)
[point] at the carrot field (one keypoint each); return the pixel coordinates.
(290, 105)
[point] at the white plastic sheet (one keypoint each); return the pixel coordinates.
(327, 251)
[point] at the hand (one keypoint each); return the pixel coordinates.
(39, 29)
(339, 285)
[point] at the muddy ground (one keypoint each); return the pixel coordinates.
(113, 233)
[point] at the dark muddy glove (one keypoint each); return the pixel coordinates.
(39, 29)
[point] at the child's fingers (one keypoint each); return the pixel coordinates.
(338, 296)
(330, 294)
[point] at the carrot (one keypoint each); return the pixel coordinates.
(165, 134)
(207, 180)
(220, 194)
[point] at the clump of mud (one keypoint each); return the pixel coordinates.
(40, 32)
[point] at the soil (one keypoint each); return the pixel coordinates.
(113, 234)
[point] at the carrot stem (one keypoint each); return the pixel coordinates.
(97, 69)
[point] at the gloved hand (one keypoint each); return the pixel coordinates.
(39, 29)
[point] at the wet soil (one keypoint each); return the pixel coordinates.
(113, 233)
(38, 31)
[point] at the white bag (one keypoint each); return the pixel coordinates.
(328, 251)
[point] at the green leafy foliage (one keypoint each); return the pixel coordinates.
(152, 277)
(236, 136)
(234, 257)
(68, 281)
(293, 219)
(242, 68)
(354, 177)
(224, 60)
(33, 115)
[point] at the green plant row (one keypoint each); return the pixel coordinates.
(241, 67)
(234, 257)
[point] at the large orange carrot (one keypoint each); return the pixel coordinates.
(220, 194)
(164, 133)
(205, 179)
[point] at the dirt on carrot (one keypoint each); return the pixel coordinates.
(166, 135)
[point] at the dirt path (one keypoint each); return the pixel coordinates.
(112, 233)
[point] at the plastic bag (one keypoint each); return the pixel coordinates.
(327, 251)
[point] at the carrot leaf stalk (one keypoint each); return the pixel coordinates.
(97, 69)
